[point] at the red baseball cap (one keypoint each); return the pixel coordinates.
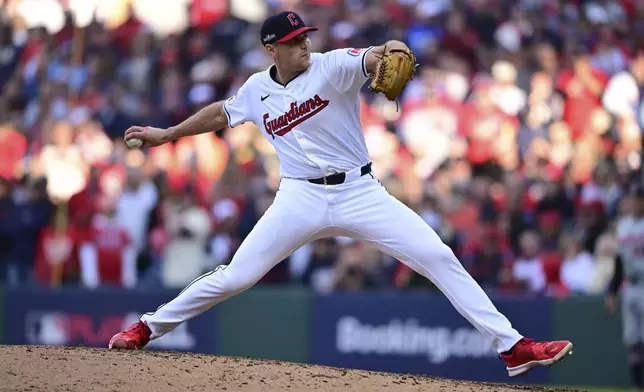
(282, 27)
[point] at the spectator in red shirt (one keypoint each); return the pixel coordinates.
(460, 40)
(582, 85)
(488, 260)
(482, 122)
(107, 256)
(56, 254)
(13, 146)
(549, 224)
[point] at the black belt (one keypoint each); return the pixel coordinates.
(339, 178)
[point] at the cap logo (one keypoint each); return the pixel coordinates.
(293, 19)
(269, 37)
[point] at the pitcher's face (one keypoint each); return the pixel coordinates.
(294, 54)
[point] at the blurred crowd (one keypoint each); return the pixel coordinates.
(516, 142)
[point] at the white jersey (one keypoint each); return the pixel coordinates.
(314, 121)
(630, 240)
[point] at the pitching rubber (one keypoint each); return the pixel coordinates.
(525, 368)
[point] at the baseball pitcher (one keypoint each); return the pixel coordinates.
(307, 106)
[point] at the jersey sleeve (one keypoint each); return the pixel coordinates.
(238, 107)
(346, 69)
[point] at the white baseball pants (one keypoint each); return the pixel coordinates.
(632, 306)
(360, 208)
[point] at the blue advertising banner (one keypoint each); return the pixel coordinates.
(418, 333)
(77, 317)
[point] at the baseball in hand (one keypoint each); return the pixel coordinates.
(134, 143)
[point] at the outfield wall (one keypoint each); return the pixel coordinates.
(417, 333)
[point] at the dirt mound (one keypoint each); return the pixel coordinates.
(36, 368)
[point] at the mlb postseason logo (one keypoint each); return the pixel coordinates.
(60, 328)
(77, 317)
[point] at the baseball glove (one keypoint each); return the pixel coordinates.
(394, 70)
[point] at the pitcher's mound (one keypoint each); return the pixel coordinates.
(50, 368)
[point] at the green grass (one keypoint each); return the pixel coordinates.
(608, 390)
(594, 389)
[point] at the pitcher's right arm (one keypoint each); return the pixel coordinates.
(208, 119)
(218, 115)
(211, 118)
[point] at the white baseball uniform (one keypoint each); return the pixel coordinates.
(630, 238)
(314, 124)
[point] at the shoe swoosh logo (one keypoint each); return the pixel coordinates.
(264, 97)
(551, 349)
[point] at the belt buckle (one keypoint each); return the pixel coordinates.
(324, 180)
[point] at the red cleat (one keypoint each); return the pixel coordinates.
(133, 338)
(527, 354)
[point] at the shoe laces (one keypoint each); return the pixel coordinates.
(137, 328)
(522, 342)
